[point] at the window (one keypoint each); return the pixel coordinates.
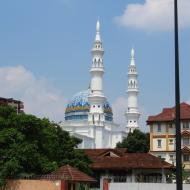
(171, 157)
(186, 158)
(186, 141)
(159, 143)
(171, 141)
(159, 156)
(159, 127)
(170, 126)
(185, 125)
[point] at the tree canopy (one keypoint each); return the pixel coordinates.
(135, 142)
(34, 146)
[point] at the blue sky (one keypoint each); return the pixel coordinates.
(45, 52)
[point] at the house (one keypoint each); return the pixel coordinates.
(17, 104)
(116, 165)
(73, 178)
(162, 134)
(65, 178)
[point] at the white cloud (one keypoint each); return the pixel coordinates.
(119, 108)
(143, 119)
(39, 96)
(154, 15)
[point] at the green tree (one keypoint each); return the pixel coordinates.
(135, 142)
(185, 176)
(33, 146)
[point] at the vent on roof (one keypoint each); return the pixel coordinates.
(110, 154)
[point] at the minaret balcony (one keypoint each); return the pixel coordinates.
(97, 69)
(96, 51)
(134, 89)
(96, 97)
(132, 112)
(132, 73)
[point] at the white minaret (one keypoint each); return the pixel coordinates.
(97, 98)
(132, 114)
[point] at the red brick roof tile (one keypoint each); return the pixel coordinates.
(185, 133)
(94, 153)
(70, 173)
(168, 114)
(126, 161)
(185, 150)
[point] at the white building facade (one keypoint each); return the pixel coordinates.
(88, 115)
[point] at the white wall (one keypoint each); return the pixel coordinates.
(166, 156)
(163, 144)
(171, 130)
(163, 129)
(145, 186)
(98, 137)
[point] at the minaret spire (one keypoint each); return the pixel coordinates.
(132, 114)
(97, 98)
(132, 56)
(98, 38)
(97, 68)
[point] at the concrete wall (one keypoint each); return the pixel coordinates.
(145, 186)
(33, 185)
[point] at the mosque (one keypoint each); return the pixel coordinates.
(89, 115)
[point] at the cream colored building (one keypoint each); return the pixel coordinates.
(162, 134)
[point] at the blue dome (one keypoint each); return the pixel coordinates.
(78, 108)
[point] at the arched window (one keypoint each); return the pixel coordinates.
(131, 84)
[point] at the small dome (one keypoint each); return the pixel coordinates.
(79, 102)
(79, 107)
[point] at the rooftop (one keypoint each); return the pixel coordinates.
(70, 173)
(10, 100)
(119, 159)
(168, 114)
(95, 153)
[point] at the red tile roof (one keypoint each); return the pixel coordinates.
(185, 133)
(185, 150)
(168, 114)
(125, 161)
(94, 153)
(70, 173)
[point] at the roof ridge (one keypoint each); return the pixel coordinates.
(168, 114)
(69, 170)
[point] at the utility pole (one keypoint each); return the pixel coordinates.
(179, 182)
